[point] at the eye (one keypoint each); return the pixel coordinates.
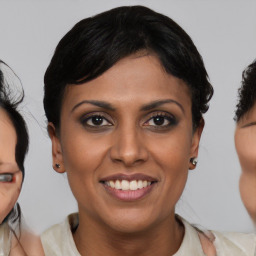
(6, 177)
(160, 120)
(95, 120)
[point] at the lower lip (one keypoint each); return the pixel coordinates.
(129, 195)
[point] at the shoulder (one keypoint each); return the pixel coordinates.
(239, 244)
(58, 239)
(217, 243)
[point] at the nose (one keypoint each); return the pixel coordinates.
(128, 148)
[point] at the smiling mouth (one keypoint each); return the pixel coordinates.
(129, 188)
(128, 185)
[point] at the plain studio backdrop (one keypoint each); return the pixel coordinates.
(225, 35)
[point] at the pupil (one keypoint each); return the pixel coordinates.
(97, 120)
(158, 120)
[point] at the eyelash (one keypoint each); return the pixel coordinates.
(85, 119)
(167, 117)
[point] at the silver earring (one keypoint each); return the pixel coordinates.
(193, 161)
(57, 165)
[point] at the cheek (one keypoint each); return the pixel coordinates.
(82, 156)
(82, 152)
(172, 156)
(172, 152)
(246, 150)
(248, 190)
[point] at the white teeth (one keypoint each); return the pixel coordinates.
(118, 184)
(125, 185)
(128, 185)
(140, 184)
(133, 185)
(112, 184)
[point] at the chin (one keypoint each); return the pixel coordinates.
(131, 221)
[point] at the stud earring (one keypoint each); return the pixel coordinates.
(193, 161)
(57, 165)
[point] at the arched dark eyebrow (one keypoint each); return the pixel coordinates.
(101, 104)
(158, 103)
(146, 107)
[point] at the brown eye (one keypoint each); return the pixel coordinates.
(161, 120)
(96, 120)
(158, 120)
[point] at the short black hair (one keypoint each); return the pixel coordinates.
(9, 104)
(95, 44)
(247, 92)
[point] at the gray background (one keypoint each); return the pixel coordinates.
(225, 34)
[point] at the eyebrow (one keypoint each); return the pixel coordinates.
(101, 104)
(249, 124)
(158, 103)
(146, 107)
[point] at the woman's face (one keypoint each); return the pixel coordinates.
(125, 141)
(245, 141)
(9, 191)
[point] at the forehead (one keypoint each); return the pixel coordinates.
(5, 120)
(8, 138)
(140, 78)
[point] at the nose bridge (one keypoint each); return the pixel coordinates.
(128, 147)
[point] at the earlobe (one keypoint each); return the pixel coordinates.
(57, 158)
(195, 145)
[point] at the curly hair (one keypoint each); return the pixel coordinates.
(247, 92)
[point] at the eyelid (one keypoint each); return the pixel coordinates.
(104, 115)
(161, 113)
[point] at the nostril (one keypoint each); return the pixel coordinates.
(128, 148)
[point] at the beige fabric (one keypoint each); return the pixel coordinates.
(58, 241)
(5, 242)
(235, 244)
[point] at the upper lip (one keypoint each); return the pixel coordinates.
(129, 177)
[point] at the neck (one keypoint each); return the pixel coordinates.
(92, 239)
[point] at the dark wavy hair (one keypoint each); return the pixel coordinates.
(9, 103)
(95, 44)
(247, 92)
(10, 98)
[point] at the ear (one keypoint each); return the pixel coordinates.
(195, 143)
(57, 157)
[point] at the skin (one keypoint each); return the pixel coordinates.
(28, 244)
(128, 142)
(245, 142)
(9, 191)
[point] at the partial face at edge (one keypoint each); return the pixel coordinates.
(245, 141)
(132, 123)
(9, 191)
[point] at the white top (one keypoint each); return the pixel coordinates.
(5, 242)
(58, 241)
